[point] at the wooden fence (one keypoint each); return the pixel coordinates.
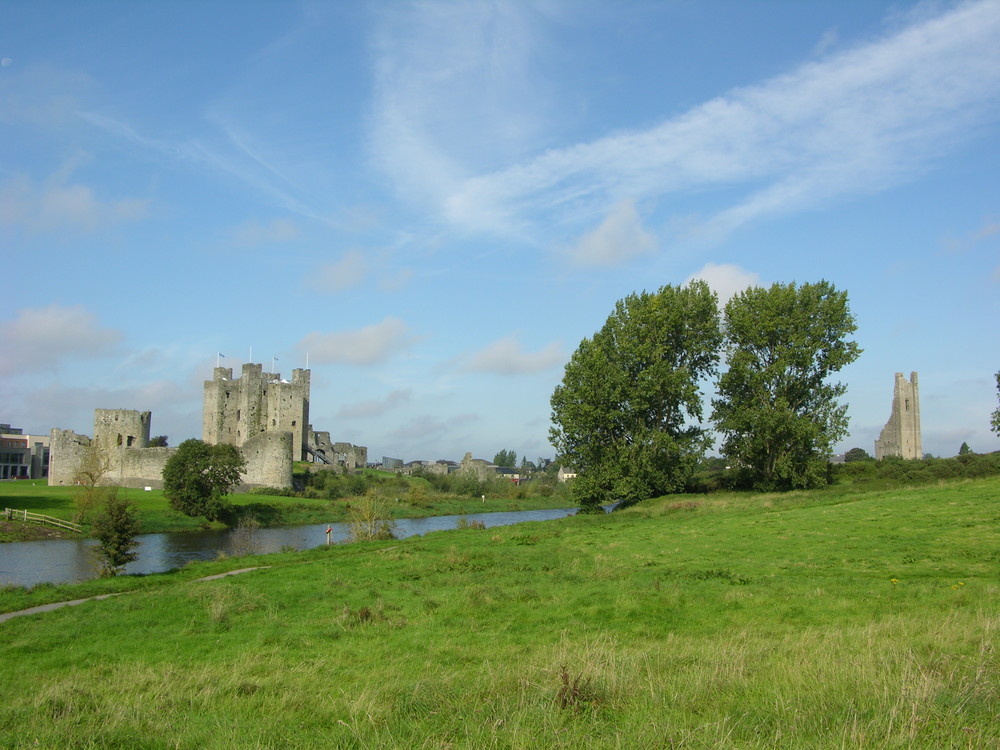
(13, 514)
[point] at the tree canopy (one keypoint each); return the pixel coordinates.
(625, 415)
(776, 412)
(197, 478)
(505, 458)
(857, 454)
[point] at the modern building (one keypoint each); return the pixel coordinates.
(23, 456)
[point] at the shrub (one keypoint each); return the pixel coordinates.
(370, 520)
(116, 528)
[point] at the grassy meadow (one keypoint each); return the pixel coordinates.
(803, 620)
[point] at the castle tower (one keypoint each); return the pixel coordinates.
(258, 402)
(901, 434)
(121, 428)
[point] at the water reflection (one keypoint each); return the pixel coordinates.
(69, 560)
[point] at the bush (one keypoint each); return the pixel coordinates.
(895, 470)
(370, 520)
(116, 528)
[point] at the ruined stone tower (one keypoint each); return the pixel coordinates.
(256, 403)
(121, 428)
(120, 447)
(901, 434)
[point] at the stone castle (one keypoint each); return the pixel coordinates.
(263, 415)
(901, 434)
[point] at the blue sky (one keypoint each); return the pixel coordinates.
(435, 202)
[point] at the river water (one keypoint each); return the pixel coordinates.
(70, 560)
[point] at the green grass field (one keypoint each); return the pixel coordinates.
(270, 510)
(804, 620)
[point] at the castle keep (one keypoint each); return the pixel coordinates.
(235, 411)
(901, 434)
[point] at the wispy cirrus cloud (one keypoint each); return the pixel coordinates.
(369, 345)
(855, 122)
(450, 77)
(42, 337)
(507, 356)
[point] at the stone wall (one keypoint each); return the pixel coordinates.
(268, 457)
(269, 460)
(477, 467)
(66, 450)
(344, 456)
(138, 467)
(901, 434)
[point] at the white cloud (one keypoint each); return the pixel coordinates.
(63, 207)
(366, 346)
(376, 407)
(40, 338)
(618, 239)
(725, 279)
(857, 122)
(349, 271)
(507, 357)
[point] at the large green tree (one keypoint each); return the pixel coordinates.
(197, 478)
(626, 414)
(777, 413)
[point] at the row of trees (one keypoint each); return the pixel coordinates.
(628, 414)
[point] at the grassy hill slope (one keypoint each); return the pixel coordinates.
(799, 620)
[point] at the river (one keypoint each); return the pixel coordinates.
(70, 560)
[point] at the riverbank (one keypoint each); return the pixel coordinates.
(794, 620)
(155, 515)
(19, 531)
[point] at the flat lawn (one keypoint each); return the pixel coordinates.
(270, 510)
(729, 621)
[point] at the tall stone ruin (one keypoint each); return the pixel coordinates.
(257, 403)
(901, 434)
